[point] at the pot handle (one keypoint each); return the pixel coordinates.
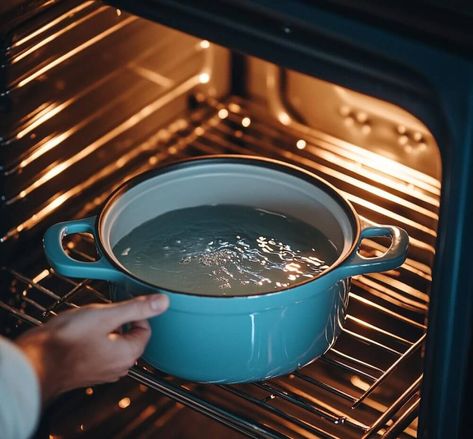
(394, 257)
(67, 266)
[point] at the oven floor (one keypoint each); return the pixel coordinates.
(368, 383)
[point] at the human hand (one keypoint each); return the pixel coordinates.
(83, 347)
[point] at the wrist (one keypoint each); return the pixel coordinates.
(36, 347)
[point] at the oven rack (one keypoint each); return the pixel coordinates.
(85, 291)
(345, 393)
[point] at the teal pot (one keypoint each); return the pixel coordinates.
(230, 339)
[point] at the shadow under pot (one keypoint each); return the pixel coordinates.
(231, 339)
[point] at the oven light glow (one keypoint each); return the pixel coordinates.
(403, 140)
(401, 129)
(246, 121)
(119, 12)
(418, 136)
(235, 108)
(59, 60)
(41, 276)
(89, 391)
(51, 143)
(361, 117)
(124, 403)
(301, 144)
(284, 118)
(121, 162)
(345, 110)
(204, 78)
(223, 113)
(50, 111)
(358, 382)
(204, 44)
(349, 121)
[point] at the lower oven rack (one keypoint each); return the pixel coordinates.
(368, 384)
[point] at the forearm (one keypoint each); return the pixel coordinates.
(19, 393)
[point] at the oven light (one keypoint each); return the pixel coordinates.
(119, 12)
(204, 44)
(301, 144)
(89, 391)
(246, 121)
(204, 78)
(124, 403)
(223, 113)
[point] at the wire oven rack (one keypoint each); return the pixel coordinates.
(368, 383)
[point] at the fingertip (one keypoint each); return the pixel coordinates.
(158, 302)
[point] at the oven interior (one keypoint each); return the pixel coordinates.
(93, 96)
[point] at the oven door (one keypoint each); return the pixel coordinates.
(416, 57)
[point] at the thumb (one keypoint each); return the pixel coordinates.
(140, 308)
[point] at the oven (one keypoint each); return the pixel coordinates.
(377, 101)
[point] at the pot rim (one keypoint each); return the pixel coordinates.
(232, 158)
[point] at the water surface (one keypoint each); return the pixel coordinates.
(225, 250)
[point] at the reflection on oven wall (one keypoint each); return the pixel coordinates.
(90, 102)
(378, 126)
(86, 88)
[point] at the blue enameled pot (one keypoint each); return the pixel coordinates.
(229, 339)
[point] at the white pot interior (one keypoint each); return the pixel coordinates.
(219, 182)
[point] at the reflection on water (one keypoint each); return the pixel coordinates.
(225, 250)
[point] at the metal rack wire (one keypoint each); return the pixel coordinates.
(367, 384)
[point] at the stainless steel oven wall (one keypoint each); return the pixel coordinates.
(85, 89)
